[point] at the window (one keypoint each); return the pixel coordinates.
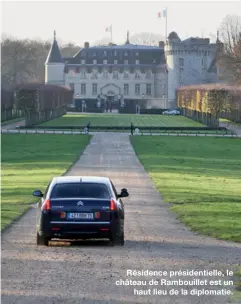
(126, 89)
(83, 88)
(105, 53)
(125, 54)
(148, 74)
(105, 75)
(137, 62)
(115, 75)
(148, 89)
(115, 53)
(94, 54)
(78, 190)
(115, 61)
(77, 69)
(82, 61)
(125, 61)
(105, 61)
(126, 75)
(94, 89)
(137, 53)
(94, 75)
(137, 75)
(83, 74)
(137, 89)
(181, 62)
(94, 61)
(203, 71)
(71, 86)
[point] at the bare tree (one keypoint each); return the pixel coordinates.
(23, 60)
(145, 38)
(230, 56)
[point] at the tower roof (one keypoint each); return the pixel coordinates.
(173, 35)
(54, 55)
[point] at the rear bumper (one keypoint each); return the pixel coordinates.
(80, 230)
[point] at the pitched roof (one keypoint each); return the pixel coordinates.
(54, 55)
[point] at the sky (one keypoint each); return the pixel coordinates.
(81, 21)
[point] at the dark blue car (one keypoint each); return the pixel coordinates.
(75, 207)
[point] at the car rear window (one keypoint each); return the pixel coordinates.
(80, 190)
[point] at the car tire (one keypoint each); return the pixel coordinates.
(117, 240)
(42, 240)
(122, 239)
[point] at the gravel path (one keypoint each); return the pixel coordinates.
(86, 272)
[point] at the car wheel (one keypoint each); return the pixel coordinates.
(42, 240)
(122, 239)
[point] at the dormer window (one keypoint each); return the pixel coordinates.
(82, 61)
(125, 54)
(94, 61)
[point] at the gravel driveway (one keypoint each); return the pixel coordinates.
(87, 272)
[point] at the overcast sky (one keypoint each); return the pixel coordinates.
(86, 21)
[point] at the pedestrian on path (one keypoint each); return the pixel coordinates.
(132, 128)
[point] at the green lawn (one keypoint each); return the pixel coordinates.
(201, 177)
(122, 120)
(29, 162)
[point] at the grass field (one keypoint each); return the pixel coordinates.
(200, 177)
(29, 162)
(121, 120)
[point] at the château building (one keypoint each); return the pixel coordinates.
(133, 74)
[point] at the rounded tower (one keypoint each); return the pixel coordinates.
(54, 65)
(171, 47)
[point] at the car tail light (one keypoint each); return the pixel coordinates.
(97, 214)
(113, 205)
(104, 229)
(46, 205)
(55, 228)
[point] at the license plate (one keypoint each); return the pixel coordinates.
(80, 216)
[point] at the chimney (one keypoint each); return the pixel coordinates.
(161, 44)
(87, 45)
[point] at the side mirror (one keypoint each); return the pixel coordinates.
(38, 193)
(124, 193)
